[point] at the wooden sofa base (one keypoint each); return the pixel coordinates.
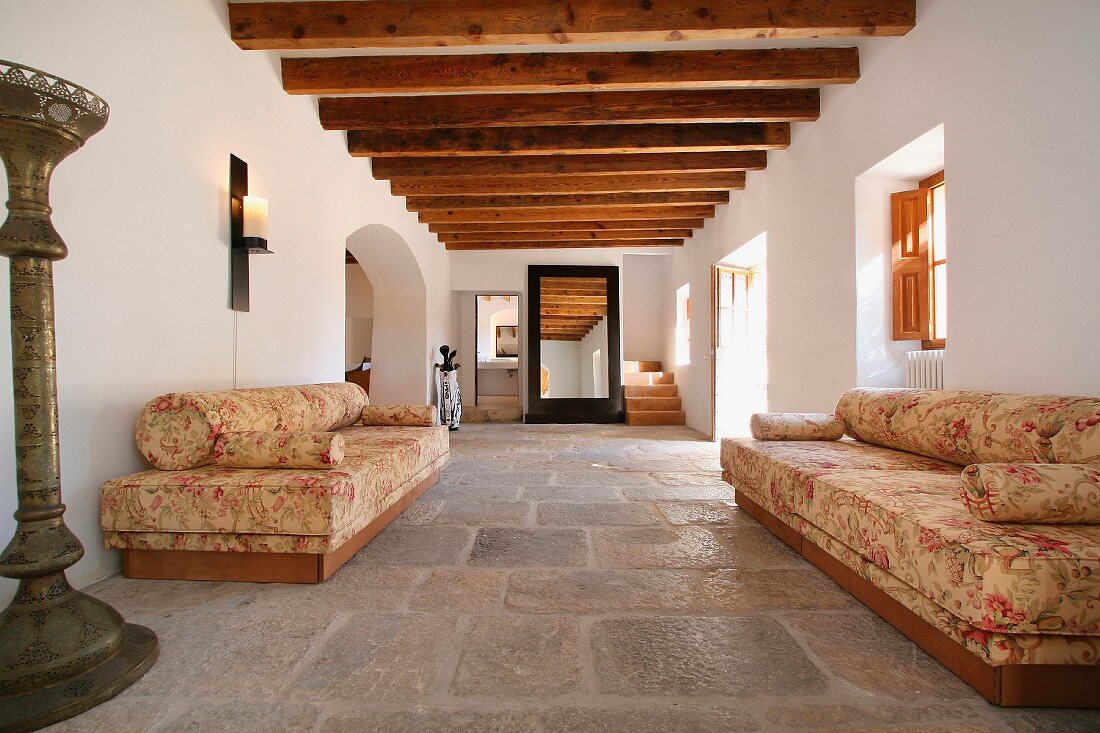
(1009, 685)
(261, 567)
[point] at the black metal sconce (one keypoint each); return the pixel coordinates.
(247, 231)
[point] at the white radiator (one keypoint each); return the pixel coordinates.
(924, 369)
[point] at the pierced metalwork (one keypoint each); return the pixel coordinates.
(61, 651)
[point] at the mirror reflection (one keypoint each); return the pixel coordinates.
(573, 338)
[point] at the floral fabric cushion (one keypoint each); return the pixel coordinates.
(213, 499)
(783, 469)
(422, 415)
(177, 431)
(795, 426)
(1033, 492)
(976, 427)
(279, 450)
(1023, 578)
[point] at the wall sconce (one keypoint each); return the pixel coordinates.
(247, 231)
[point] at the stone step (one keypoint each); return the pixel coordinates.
(647, 378)
(657, 417)
(636, 404)
(651, 390)
(633, 367)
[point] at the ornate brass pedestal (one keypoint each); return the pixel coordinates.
(61, 651)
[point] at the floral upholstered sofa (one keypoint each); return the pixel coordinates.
(280, 484)
(994, 570)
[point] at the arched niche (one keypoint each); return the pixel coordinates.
(401, 358)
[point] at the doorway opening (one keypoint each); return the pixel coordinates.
(358, 323)
(496, 376)
(740, 372)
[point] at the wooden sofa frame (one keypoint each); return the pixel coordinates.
(1009, 685)
(261, 567)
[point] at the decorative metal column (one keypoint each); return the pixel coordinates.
(61, 651)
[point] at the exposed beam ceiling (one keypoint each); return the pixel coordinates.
(706, 137)
(569, 307)
(615, 148)
(395, 23)
(566, 72)
(593, 213)
(593, 108)
(497, 166)
(568, 183)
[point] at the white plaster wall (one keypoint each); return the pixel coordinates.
(643, 288)
(1021, 160)
(594, 340)
(142, 300)
(563, 359)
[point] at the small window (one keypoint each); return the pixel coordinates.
(919, 263)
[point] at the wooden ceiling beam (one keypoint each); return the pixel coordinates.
(571, 72)
(555, 337)
(595, 311)
(584, 183)
(625, 226)
(406, 23)
(574, 291)
(501, 166)
(583, 244)
(574, 299)
(591, 108)
(584, 200)
(707, 137)
(564, 214)
(564, 235)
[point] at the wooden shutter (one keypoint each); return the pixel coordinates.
(910, 264)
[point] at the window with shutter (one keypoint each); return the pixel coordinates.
(919, 263)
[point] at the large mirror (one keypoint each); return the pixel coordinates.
(574, 372)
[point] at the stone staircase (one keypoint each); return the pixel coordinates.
(652, 397)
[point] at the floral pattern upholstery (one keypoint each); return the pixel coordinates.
(795, 426)
(422, 415)
(279, 450)
(976, 427)
(262, 542)
(179, 430)
(1039, 579)
(1033, 492)
(210, 500)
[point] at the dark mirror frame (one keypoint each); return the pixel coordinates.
(573, 409)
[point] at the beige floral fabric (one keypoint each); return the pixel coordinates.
(976, 427)
(213, 499)
(783, 469)
(795, 426)
(178, 430)
(1038, 579)
(1033, 492)
(422, 415)
(276, 449)
(259, 542)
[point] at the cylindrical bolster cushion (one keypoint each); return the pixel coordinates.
(1052, 493)
(263, 449)
(409, 415)
(178, 430)
(795, 426)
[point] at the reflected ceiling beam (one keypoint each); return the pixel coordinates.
(564, 236)
(716, 137)
(397, 23)
(479, 167)
(592, 228)
(592, 108)
(583, 200)
(565, 72)
(583, 183)
(593, 213)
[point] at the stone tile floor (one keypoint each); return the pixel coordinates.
(558, 578)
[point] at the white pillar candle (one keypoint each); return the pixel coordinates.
(255, 217)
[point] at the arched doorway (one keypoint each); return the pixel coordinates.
(401, 357)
